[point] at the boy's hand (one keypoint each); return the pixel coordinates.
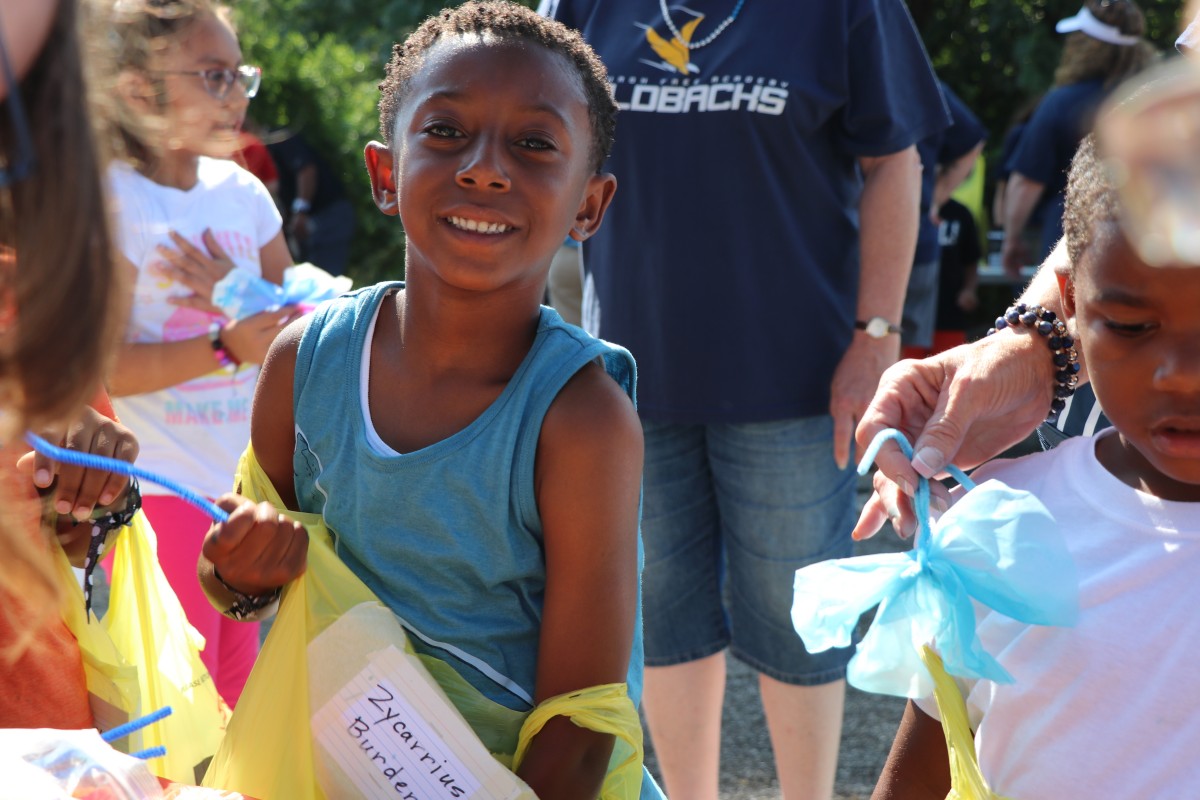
(258, 549)
(79, 490)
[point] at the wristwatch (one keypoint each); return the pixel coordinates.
(301, 206)
(876, 327)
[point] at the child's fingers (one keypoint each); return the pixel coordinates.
(224, 537)
(257, 549)
(286, 558)
(39, 467)
(81, 489)
(289, 314)
(213, 264)
(214, 247)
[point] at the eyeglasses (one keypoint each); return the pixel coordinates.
(22, 162)
(218, 82)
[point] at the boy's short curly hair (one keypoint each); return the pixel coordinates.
(510, 21)
(1091, 200)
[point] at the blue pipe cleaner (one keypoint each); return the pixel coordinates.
(149, 753)
(121, 731)
(92, 461)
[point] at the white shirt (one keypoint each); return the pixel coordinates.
(1109, 708)
(193, 432)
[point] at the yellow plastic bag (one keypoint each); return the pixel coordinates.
(966, 781)
(112, 682)
(147, 651)
(268, 751)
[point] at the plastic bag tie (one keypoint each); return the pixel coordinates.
(997, 546)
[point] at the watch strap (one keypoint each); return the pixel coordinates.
(876, 326)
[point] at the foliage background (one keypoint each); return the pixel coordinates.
(322, 60)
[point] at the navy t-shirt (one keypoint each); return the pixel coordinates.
(1048, 144)
(941, 149)
(728, 261)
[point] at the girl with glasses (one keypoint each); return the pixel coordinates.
(185, 216)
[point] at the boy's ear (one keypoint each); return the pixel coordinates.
(596, 197)
(383, 179)
(1066, 292)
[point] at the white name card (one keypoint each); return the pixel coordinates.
(395, 738)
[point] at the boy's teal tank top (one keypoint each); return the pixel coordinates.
(449, 536)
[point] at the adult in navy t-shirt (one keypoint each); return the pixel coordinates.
(729, 264)
(1047, 145)
(947, 158)
(1104, 45)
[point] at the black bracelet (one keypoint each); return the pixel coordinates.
(247, 607)
(1062, 348)
(104, 523)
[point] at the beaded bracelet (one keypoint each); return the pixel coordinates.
(1062, 348)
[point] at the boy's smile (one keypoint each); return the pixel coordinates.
(491, 163)
(1140, 330)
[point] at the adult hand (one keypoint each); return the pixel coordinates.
(961, 406)
(300, 226)
(854, 383)
(968, 299)
(1014, 255)
(257, 549)
(196, 269)
(248, 340)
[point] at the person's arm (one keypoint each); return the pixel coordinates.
(998, 203)
(275, 258)
(962, 406)
(258, 552)
(888, 211)
(151, 366)
(1021, 196)
(306, 190)
(951, 176)
(588, 484)
(918, 766)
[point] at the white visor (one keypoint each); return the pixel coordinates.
(1085, 23)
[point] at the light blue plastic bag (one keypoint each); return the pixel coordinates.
(240, 294)
(997, 545)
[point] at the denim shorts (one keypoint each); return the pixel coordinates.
(730, 512)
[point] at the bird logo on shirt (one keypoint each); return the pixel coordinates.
(674, 52)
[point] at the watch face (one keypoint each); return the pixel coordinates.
(877, 327)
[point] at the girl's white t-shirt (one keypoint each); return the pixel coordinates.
(1111, 707)
(194, 432)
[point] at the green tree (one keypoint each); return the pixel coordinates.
(322, 61)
